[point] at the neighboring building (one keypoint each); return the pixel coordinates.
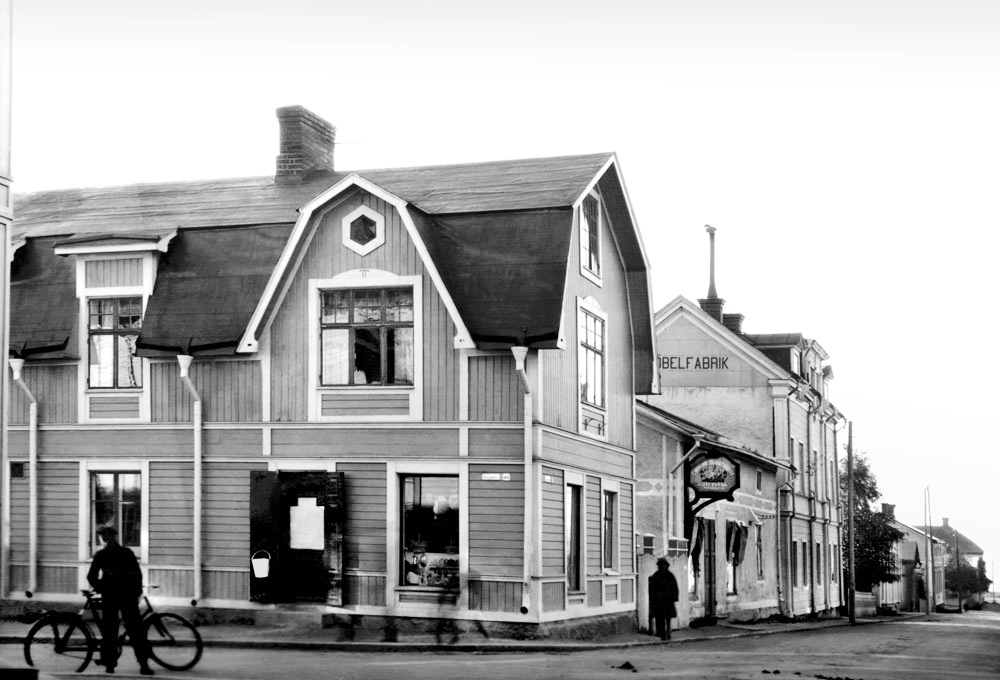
(768, 394)
(732, 571)
(412, 391)
(913, 564)
(953, 540)
(6, 219)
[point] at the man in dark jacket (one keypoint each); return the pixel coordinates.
(115, 574)
(663, 596)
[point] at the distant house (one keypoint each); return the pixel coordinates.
(374, 392)
(953, 540)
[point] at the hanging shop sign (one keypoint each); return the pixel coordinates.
(708, 477)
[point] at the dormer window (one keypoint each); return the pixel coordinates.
(590, 237)
(363, 230)
(113, 328)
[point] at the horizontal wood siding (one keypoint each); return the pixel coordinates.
(227, 503)
(111, 443)
(172, 582)
(171, 508)
(553, 523)
(496, 520)
(554, 597)
(485, 443)
(230, 391)
(626, 525)
(592, 511)
(18, 577)
(119, 406)
(19, 517)
(495, 596)
(586, 455)
(365, 442)
(58, 510)
(364, 589)
(58, 579)
(226, 443)
(365, 526)
(370, 405)
(325, 257)
(495, 392)
(113, 273)
(226, 585)
(611, 591)
(55, 390)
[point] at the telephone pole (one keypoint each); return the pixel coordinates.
(850, 521)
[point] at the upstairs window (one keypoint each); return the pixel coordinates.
(591, 359)
(366, 336)
(113, 328)
(590, 237)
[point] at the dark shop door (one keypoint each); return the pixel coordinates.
(709, 543)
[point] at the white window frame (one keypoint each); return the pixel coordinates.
(86, 549)
(365, 278)
(611, 487)
(84, 294)
(585, 271)
(575, 479)
(363, 211)
(593, 307)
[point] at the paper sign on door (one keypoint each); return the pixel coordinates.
(306, 530)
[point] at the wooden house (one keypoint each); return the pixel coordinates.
(380, 393)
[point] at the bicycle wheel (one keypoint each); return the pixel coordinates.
(59, 643)
(174, 643)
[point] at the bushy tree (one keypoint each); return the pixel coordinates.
(874, 534)
(982, 583)
(963, 580)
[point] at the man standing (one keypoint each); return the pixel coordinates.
(115, 574)
(663, 596)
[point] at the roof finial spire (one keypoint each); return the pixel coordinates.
(711, 262)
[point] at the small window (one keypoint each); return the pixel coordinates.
(113, 329)
(590, 236)
(760, 480)
(574, 543)
(116, 501)
(363, 230)
(366, 337)
(17, 470)
(430, 518)
(610, 529)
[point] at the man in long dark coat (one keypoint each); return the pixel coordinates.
(663, 596)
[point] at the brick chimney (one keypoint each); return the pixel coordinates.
(944, 522)
(712, 305)
(305, 144)
(733, 322)
(889, 510)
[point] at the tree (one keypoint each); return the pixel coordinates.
(982, 583)
(874, 533)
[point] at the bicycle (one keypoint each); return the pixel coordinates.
(64, 642)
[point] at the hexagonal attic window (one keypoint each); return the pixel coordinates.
(363, 230)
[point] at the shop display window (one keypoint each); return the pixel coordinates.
(430, 530)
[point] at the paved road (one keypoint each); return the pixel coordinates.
(944, 647)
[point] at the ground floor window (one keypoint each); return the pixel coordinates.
(795, 564)
(759, 550)
(430, 516)
(574, 551)
(736, 542)
(116, 501)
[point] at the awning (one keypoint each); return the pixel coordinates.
(43, 304)
(207, 288)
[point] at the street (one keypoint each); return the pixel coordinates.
(941, 647)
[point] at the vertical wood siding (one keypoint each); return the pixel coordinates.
(230, 391)
(172, 582)
(58, 510)
(560, 367)
(554, 597)
(592, 512)
(57, 579)
(553, 524)
(226, 505)
(495, 392)
(626, 519)
(227, 585)
(365, 525)
(495, 596)
(326, 257)
(627, 592)
(113, 273)
(364, 589)
(171, 508)
(496, 521)
(118, 406)
(55, 390)
(594, 590)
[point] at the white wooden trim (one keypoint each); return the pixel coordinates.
(248, 342)
(108, 251)
(85, 519)
(345, 227)
(592, 306)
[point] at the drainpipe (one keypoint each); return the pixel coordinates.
(783, 607)
(16, 366)
(520, 354)
(810, 478)
(184, 361)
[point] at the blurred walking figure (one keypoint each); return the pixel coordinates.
(663, 596)
(115, 574)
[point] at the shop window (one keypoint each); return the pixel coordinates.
(366, 336)
(430, 530)
(590, 237)
(574, 541)
(113, 328)
(116, 501)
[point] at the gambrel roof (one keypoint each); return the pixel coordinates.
(508, 223)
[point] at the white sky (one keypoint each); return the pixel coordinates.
(846, 151)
